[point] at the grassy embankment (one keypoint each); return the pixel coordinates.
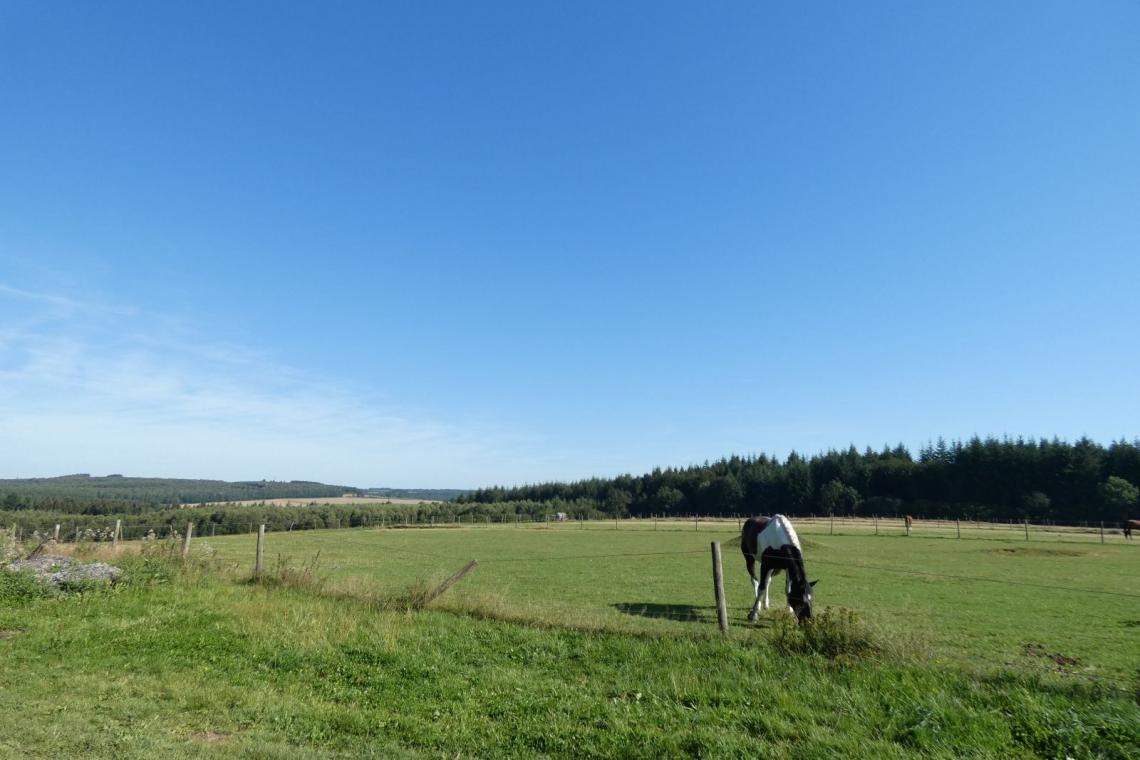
(199, 662)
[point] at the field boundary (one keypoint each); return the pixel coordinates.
(204, 527)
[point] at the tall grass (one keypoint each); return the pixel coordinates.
(836, 633)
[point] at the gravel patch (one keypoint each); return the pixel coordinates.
(63, 572)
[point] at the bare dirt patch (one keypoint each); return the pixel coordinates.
(210, 737)
(1030, 649)
(1037, 551)
(7, 634)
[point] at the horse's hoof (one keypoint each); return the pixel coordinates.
(752, 617)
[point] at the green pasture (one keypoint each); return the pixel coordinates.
(573, 642)
(985, 600)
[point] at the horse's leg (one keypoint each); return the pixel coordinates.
(751, 562)
(766, 573)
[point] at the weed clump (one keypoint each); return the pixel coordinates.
(17, 589)
(9, 548)
(306, 575)
(835, 633)
(415, 597)
(302, 576)
(146, 570)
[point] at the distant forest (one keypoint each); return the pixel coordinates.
(160, 506)
(427, 494)
(980, 478)
(49, 492)
(988, 479)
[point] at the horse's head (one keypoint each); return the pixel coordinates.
(800, 598)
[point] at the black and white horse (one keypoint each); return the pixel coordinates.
(774, 542)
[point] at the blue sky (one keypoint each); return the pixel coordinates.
(454, 244)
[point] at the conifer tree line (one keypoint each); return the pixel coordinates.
(990, 478)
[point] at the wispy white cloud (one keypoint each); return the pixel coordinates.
(105, 388)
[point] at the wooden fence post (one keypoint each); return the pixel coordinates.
(260, 551)
(832, 531)
(958, 526)
(57, 532)
(876, 518)
(186, 539)
(696, 523)
(1027, 529)
(118, 531)
(213, 529)
(77, 534)
(1101, 531)
(718, 588)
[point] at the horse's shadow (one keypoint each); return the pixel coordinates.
(684, 613)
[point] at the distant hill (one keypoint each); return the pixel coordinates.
(427, 494)
(166, 490)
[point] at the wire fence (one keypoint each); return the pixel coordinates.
(207, 525)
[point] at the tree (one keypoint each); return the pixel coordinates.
(1035, 504)
(722, 494)
(796, 485)
(837, 497)
(1119, 496)
(618, 501)
(668, 499)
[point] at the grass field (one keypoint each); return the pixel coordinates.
(570, 641)
(638, 579)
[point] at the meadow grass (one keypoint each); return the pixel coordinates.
(922, 589)
(322, 660)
